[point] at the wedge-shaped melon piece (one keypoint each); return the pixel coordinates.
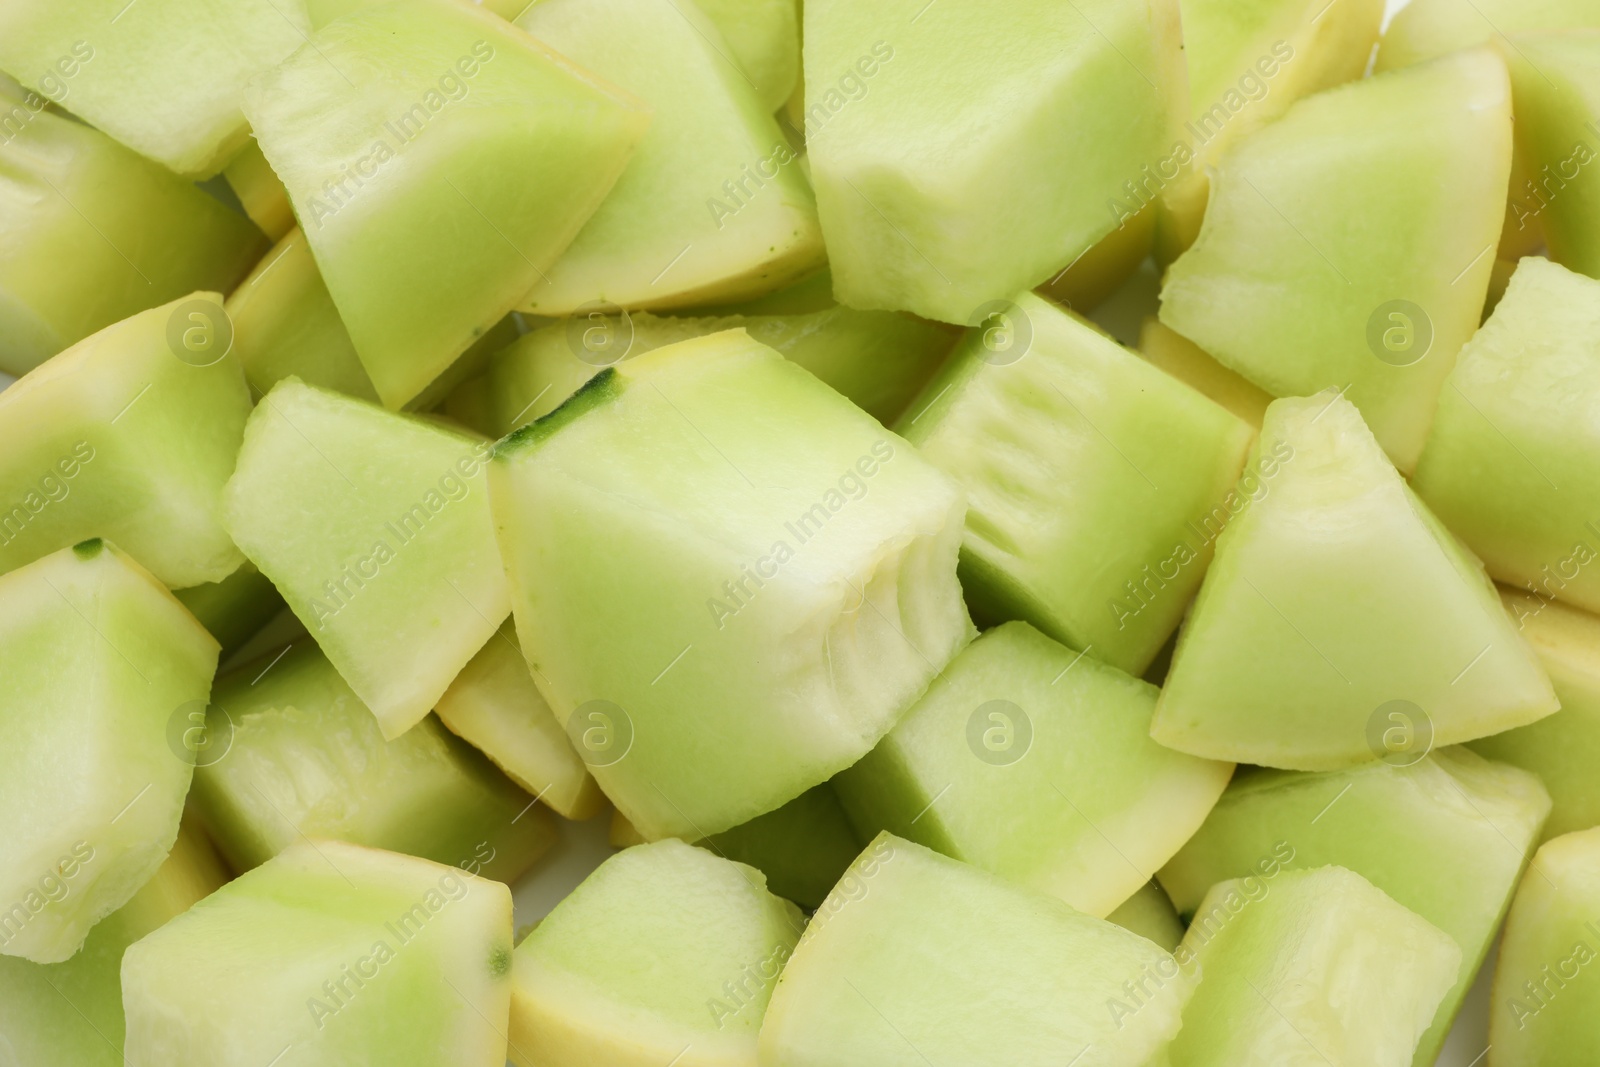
(665, 953)
(1446, 837)
(1428, 28)
(763, 36)
(1096, 484)
(376, 529)
(1150, 914)
(127, 235)
(1379, 297)
(290, 752)
(260, 193)
(96, 659)
(777, 581)
(495, 705)
(939, 172)
(418, 112)
(1513, 459)
(335, 954)
(1008, 977)
(234, 609)
(1555, 85)
(1189, 363)
(1035, 762)
(1546, 1006)
(1317, 968)
(164, 80)
(71, 1012)
(1340, 621)
(803, 847)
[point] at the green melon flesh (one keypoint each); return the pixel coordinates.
(96, 657)
(1189, 363)
(164, 79)
(119, 437)
(1337, 605)
(1035, 763)
(234, 609)
(71, 1013)
(1424, 29)
(291, 752)
(713, 205)
(1095, 483)
(1446, 837)
(327, 956)
(945, 179)
(1091, 278)
(1546, 1006)
(1387, 189)
(763, 36)
(260, 193)
(323, 12)
(636, 521)
(376, 529)
(135, 235)
(918, 959)
(495, 705)
(1151, 915)
(803, 847)
(666, 953)
(417, 112)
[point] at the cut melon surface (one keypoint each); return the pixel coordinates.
(97, 659)
(234, 609)
(417, 111)
(1340, 621)
(376, 529)
(665, 953)
(1096, 485)
(313, 956)
(764, 37)
(1035, 762)
(1150, 914)
(1189, 363)
(766, 545)
(916, 958)
(1380, 296)
(803, 848)
(135, 234)
(1447, 837)
(290, 752)
(1101, 271)
(260, 193)
(1317, 967)
(1428, 28)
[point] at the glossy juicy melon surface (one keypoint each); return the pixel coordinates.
(1429, 28)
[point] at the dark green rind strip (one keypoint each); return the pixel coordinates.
(600, 389)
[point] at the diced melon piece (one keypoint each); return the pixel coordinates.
(164, 79)
(1100, 271)
(290, 752)
(1035, 762)
(763, 36)
(666, 953)
(941, 173)
(418, 112)
(376, 529)
(1189, 363)
(260, 192)
(71, 1013)
(323, 12)
(1512, 464)
(1151, 915)
(236, 608)
(1446, 837)
(1545, 1011)
(121, 233)
(803, 847)
(495, 705)
(130, 435)
(1317, 967)
(1423, 29)
(775, 579)
(97, 658)
(918, 959)
(1340, 622)
(328, 955)
(1377, 297)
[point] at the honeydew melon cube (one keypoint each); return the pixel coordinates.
(705, 468)
(135, 235)
(260, 192)
(96, 658)
(664, 953)
(1096, 484)
(764, 37)
(1035, 762)
(1316, 967)
(803, 848)
(375, 527)
(1011, 977)
(1427, 28)
(1189, 363)
(417, 112)
(332, 954)
(289, 752)
(939, 172)
(1150, 914)
(1546, 1001)
(712, 207)
(130, 435)
(1446, 837)
(234, 609)
(1378, 298)
(1340, 621)
(495, 706)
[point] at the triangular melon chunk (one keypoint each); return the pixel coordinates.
(1349, 244)
(764, 37)
(1339, 611)
(1424, 29)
